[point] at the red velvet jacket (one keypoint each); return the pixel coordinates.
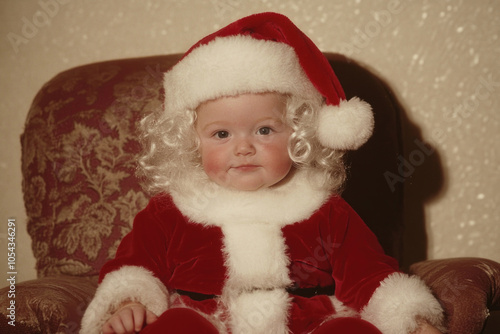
(265, 267)
(332, 250)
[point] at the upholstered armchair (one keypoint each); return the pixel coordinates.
(79, 150)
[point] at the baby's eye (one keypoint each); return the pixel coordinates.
(265, 131)
(221, 134)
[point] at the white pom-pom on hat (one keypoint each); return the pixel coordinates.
(346, 126)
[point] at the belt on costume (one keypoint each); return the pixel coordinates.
(296, 291)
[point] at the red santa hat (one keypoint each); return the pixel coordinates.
(266, 52)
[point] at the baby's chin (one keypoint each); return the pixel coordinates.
(241, 185)
(245, 186)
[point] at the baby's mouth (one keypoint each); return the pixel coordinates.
(246, 167)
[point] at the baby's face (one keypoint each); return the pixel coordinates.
(243, 140)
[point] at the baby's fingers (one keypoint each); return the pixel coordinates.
(127, 317)
(114, 325)
(150, 317)
(138, 317)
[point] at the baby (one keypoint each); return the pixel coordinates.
(247, 232)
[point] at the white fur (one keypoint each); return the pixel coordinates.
(128, 283)
(341, 310)
(234, 65)
(255, 256)
(289, 203)
(399, 301)
(259, 311)
(346, 126)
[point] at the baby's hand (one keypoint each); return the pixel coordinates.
(129, 318)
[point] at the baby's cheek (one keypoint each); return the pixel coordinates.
(209, 167)
(213, 165)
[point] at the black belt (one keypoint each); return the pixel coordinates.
(301, 292)
(195, 295)
(311, 292)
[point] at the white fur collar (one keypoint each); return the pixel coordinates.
(294, 201)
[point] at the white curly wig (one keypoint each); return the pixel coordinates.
(171, 158)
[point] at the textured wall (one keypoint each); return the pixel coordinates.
(440, 57)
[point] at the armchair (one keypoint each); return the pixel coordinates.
(81, 193)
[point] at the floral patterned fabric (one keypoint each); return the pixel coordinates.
(79, 158)
(49, 305)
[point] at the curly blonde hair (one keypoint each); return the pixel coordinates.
(170, 148)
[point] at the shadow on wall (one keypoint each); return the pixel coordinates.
(425, 181)
(395, 173)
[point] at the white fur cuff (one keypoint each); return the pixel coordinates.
(399, 301)
(129, 283)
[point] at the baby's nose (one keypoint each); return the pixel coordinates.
(245, 146)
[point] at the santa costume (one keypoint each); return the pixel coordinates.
(294, 258)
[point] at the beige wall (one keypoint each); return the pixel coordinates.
(440, 57)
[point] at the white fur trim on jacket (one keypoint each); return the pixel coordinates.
(289, 203)
(255, 256)
(128, 283)
(259, 311)
(399, 302)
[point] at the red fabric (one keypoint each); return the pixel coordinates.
(186, 321)
(278, 28)
(335, 247)
(332, 247)
(176, 251)
(347, 325)
(180, 320)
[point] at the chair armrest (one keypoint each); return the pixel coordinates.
(47, 305)
(468, 289)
